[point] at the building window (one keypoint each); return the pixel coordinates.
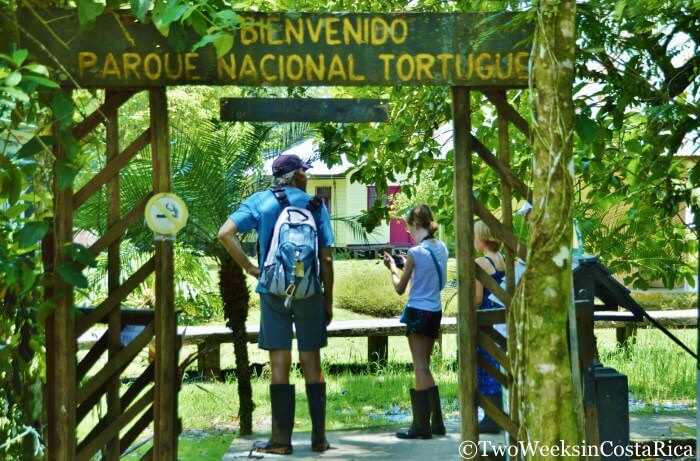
(325, 193)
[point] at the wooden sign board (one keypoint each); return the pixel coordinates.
(291, 49)
(303, 110)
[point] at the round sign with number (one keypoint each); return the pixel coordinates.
(166, 213)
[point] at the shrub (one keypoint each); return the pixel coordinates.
(364, 286)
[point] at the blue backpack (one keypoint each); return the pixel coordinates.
(291, 268)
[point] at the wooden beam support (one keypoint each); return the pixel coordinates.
(378, 349)
(492, 348)
(497, 374)
(165, 406)
(489, 317)
(139, 426)
(117, 230)
(101, 434)
(508, 112)
(114, 299)
(492, 285)
(61, 323)
(116, 364)
(114, 325)
(464, 232)
(112, 103)
(495, 335)
(111, 170)
(91, 358)
(502, 169)
(304, 110)
(499, 416)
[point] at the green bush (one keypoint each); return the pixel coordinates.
(364, 286)
(666, 300)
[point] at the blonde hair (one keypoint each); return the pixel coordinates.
(483, 233)
(420, 215)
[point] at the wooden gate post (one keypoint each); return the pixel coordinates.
(60, 328)
(165, 407)
(464, 233)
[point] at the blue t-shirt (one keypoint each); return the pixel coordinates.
(261, 210)
(425, 282)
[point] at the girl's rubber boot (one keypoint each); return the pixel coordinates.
(420, 429)
(436, 424)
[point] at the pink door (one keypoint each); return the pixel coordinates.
(398, 235)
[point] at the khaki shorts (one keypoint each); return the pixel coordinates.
(307, 315)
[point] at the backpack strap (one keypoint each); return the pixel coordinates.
(280, 195)
(437, 266)
(314, 203)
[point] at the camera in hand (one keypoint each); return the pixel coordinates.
(398, 260)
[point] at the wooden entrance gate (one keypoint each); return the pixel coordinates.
(72, 398)
(355, 50)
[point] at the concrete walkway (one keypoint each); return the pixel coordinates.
(382, 444)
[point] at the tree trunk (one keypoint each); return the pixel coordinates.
(235, 297)
(542, 365)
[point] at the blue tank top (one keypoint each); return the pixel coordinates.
(498, 276)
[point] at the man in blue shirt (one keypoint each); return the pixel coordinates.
(310, 316)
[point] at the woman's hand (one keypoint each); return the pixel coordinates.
(389, 261)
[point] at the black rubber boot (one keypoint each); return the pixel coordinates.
(436, 424)
(316, 395)
(282, 403)
(488, 425)
(420, 429)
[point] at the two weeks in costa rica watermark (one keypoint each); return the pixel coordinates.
(655, 449)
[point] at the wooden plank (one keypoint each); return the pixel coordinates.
(111, 169)
(130, 316)
(165, 407)
(499, 416)
(115, 366)
(120, 227)
(304, 110)
(495, 335)
(508, 112)
(492, 286)
(489, 317)
(62, 425)
(499, 230)
(114, 299)
(111, 104)
(114, 326)
(131, 393)
(100, 435)
(137, 429)
(464, 232)
(293, 49)
(91, 358)
(503, 170)
(492, 348)
(497, 374)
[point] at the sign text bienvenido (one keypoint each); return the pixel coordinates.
(295, 49)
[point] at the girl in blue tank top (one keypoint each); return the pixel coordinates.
(494, 264)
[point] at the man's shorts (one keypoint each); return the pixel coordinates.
(307, 315)
(421, 322)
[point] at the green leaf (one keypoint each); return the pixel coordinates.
(585, 128)
(14, 211)
(13, 79)
(66, 172)
(15, 93)
(227, 15)
(63, 107)
(223, 44)
(31, 232)
(34, 146)
(72, 274)
(140, 8)
(29, 277)
(88, 11)
(172, 14)
(37, 69)
(204, 41)
(81, 254)
(42, 81)
(620, 9)
(19, 56)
